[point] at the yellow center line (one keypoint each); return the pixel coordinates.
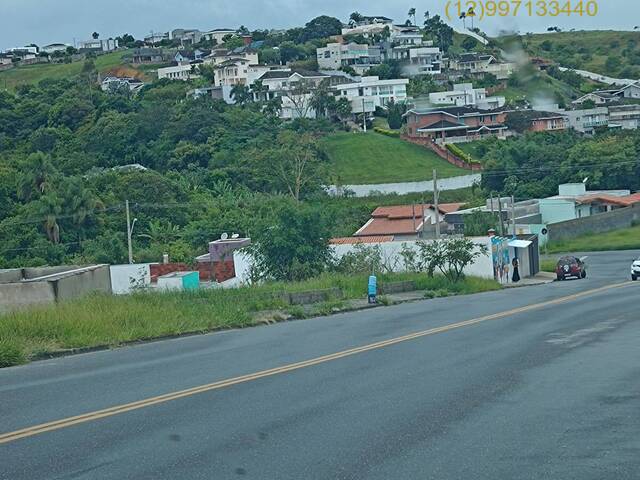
(127, 407)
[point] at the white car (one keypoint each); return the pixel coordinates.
(635, 270)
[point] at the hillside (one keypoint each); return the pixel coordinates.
(608, 52)
(375, 158)
(32, 74)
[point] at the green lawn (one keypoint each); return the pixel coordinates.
(625, 239)
(30, 74)
(360, 158)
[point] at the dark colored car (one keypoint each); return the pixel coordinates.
(571, 266)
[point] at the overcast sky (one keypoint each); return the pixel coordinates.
(48, 21)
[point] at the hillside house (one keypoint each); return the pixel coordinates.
(295, 88)
(113, 83)
(179, 72)
(98, 45)
(371, 92)
(587, 120)
(475, 64)
(455, 124)
(463, 94)
(599, 97)
(625, 116)
(147, 55)
(54, 47)
(359, 57)
(217, 35)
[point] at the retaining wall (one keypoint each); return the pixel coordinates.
(598, 223)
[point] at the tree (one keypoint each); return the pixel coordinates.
(343, 109)
(95, 35)
(463, 17)
(241, 94)
(297, 164)
(36, 175)
(395, 113)
(355, 18)
(50, 207)
(412, 13)
(292, 243)
(439, 31)
(299, 96)
(322, 99)
(469, 43)
(320, 27)
(450, 257)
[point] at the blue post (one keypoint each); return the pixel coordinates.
(372, 288)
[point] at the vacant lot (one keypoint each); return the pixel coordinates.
(362, 158)
(625, 239)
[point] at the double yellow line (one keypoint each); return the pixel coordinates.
(127, 407)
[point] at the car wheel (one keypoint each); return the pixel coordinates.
(583, 274)
(634, 278)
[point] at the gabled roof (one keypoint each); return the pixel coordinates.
(285, 74)
(624, 201)
(457, 111)
(356, 240)
(443, 125)
(400, 219)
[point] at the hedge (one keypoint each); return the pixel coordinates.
(388, 133)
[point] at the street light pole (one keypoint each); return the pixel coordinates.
(130, 227)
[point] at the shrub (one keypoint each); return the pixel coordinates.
(388, 133)
(11, 353)
(458, 152)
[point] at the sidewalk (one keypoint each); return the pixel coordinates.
(540, 278)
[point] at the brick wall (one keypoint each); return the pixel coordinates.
(599, 223)
(220, 271)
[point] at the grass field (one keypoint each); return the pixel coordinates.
(31, 74)
(585, 49)
(106, 320)
(625, 239)
(359, 158)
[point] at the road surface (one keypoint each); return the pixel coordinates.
(530, 383)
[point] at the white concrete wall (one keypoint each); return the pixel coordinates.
(451, 183)
(126, 278)
(483, 267)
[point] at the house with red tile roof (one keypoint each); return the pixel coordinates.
(404, 222)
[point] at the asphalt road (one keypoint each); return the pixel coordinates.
(551, 391)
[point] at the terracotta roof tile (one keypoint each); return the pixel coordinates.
(354, 240)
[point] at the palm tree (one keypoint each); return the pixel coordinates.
(427, 15)
(463, 17)
(240, 94)
(81, 204)
(95, 35)
(412, 13)
(260, 90)
(36, 176)
(161, 232)
(50, 207)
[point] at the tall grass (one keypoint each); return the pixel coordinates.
(99, 320)
(623, 239)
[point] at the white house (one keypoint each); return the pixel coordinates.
(630, 91)
(587, 120)
(54, 47)
(179, 72)
(220, 55)
(369, 26)
(156, 37)
(463, 94)
(625, 116)
(372, 92)
(5, 59)
(359, 57)
(599, 97)
(474, 63)
(239, 71)
(295, 88)
(217, 35)
(102, 45)
(112, 83)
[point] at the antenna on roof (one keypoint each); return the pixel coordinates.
(224, 236)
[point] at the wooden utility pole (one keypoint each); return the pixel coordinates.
(126, 204)
(435, 203)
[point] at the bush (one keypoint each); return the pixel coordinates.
(388, 133)
(461, 154)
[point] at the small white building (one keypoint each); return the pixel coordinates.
(372, 92)
(156, 37)
(100, 45)
(463, 94)
(217, 35)
(179, 72)
(54, 47)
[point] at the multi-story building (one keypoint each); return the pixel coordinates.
(368, 26)
(370, 93)
(220, 55)
(455, 124)
(54, 47)
(156, 37)
(586, 121)
(463, 94)
(240, 71)
(476, 65)
(98, 45)
(295, 88)
(624, 116)
(359, 57)
(218, 35)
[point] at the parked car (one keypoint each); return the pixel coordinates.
(570, 266)
(635, 270)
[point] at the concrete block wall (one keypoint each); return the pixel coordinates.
(599, 223)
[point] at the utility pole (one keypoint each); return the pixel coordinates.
(500, 215)
(513, 214)
(364, 117)
(435, 203)
(129, 230)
